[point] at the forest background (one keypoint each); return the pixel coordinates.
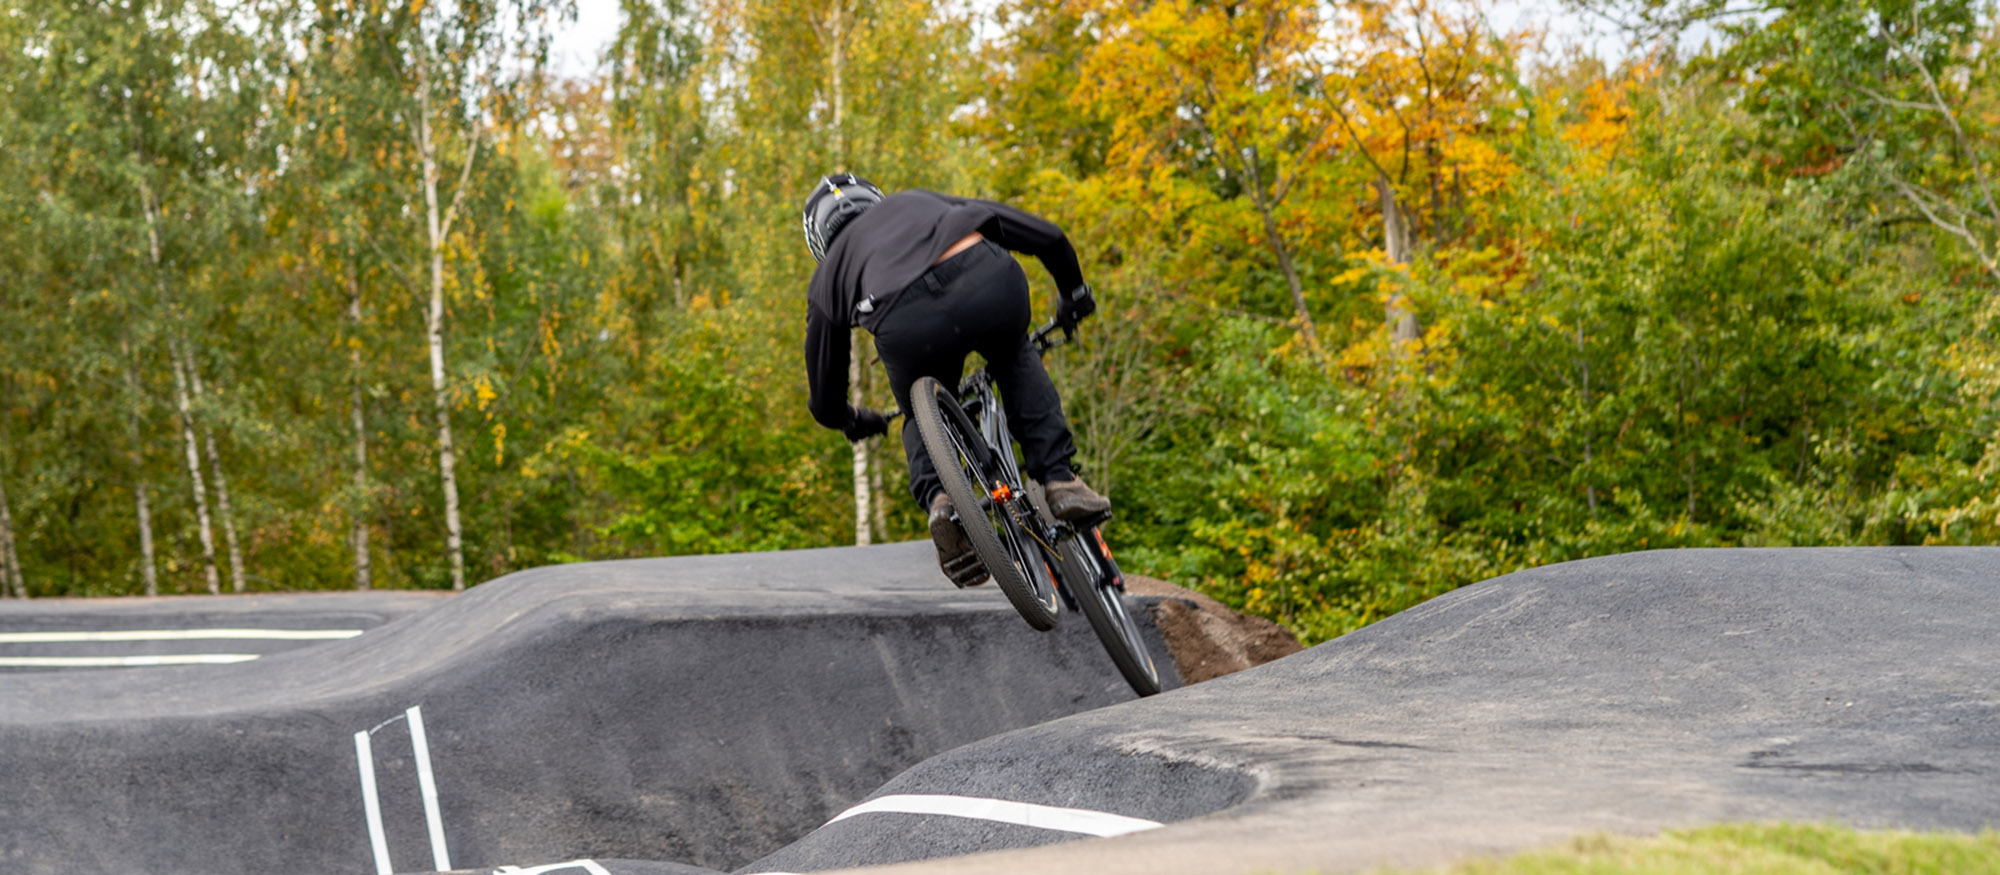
(358, 293)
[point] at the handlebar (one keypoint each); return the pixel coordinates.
(1041, 336)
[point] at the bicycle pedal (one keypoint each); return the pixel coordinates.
(966, 571)
(1092, 521)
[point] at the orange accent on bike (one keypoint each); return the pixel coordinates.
(1003, 493)
(1101, 546)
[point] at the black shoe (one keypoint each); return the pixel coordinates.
(1070, 500)
(955, 554)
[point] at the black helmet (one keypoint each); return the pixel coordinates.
(837, 200)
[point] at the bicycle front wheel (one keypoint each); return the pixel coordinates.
(980, 495)
(1092, 576)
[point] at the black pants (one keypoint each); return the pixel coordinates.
(975, 301)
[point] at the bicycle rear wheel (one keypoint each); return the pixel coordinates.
(1093, 579)
(972, 480)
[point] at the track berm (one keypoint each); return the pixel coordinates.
(675, 715)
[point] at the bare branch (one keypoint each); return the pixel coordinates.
(1916, 197)
(1886, 100)
(1353, 134)
(389, 260)
(1958, 133)
(464, 175)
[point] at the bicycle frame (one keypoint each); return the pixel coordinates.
(976, 398)
(1076, 562)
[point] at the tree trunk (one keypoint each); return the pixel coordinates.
(147, 566)
(1403, 327)
(10, 560)
(835, 37)
(221, 480)
(361, 497)
(1583, 365)
(880, 505)
(1283, 252)
(194, 475)
(862, 499)
(438, 226)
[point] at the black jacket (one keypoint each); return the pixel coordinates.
(885, 250)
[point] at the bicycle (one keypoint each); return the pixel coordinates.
(1007, 519)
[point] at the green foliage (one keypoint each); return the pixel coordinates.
(708, 469)
(1667, 344)
(1742, 298)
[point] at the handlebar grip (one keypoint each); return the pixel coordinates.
(1041, 335)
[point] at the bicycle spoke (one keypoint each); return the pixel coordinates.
(980, 488)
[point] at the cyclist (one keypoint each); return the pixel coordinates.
(930, 277)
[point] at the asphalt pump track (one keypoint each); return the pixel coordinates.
(814, 710)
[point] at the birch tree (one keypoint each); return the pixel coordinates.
(215, 470)
(357, 412)
(833, 27)
(342, 202)
(141, 487)
(149, 211)
(461, 62)
(885, 77)
(206, 530)
(9, 557)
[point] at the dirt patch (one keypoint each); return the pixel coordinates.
(1208, 639)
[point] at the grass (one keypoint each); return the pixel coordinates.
(1757, 849)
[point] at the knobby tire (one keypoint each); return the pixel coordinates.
(1007, 552)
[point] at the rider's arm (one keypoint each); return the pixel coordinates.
(827, 348)
(1026, 232)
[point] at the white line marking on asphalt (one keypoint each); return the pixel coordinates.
(589, 866)
(178, 635)
(118, 661)
(421, 745)
(1079, 820)
(364, 753)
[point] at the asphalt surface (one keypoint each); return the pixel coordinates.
(653, 718)
(1628, 694)
(700, 711)
(83, 634)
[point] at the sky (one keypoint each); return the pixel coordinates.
(579, 44)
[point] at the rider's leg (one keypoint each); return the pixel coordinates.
(932, 326)
(1001, 309)
(918, 337)
(1034, 414)
(983, 306)
(1034, 409)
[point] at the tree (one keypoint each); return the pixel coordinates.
(10, 559)
(1421, 94)
(902, 61)
(462, 64)
(1194, 84)
(135, 400)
